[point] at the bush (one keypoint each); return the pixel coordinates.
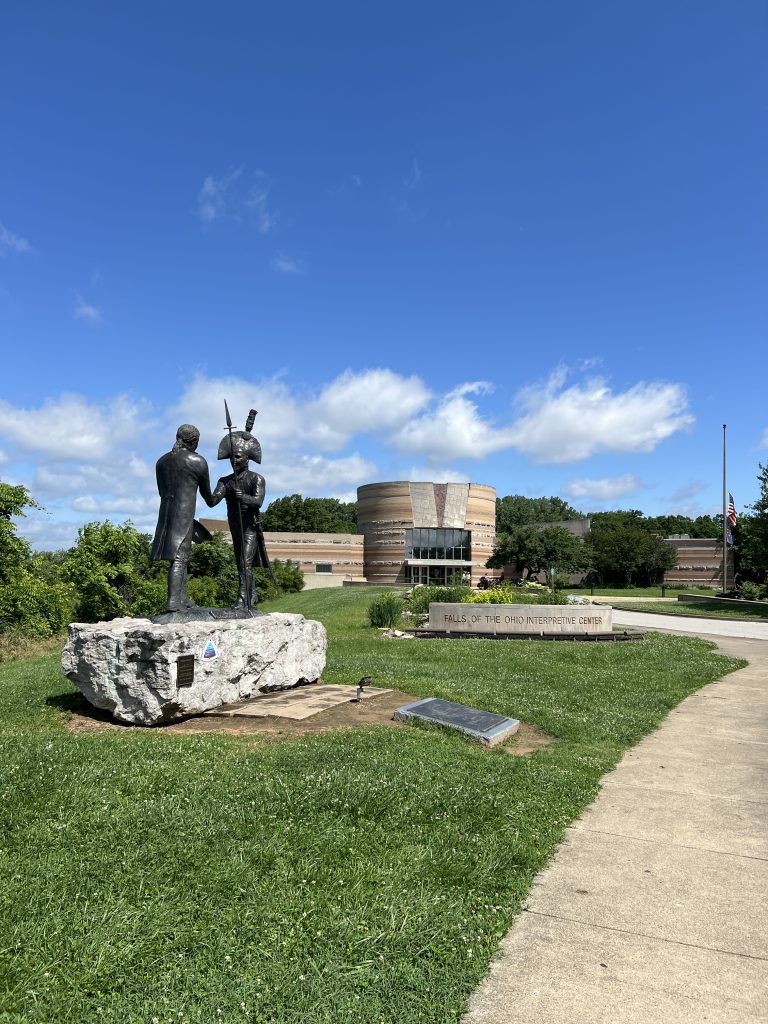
(30, 607)
(751, 591)
(421, 596)
(289, 577)
(518, 595)
(385, 610)
(205, 592)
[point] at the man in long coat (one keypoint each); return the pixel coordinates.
(180, 473)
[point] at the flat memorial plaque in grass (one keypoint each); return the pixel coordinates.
(483, 726)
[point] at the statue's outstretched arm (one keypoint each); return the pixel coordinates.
(218, 493)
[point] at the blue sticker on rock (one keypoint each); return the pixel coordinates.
(210, 651)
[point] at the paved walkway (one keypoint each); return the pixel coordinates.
(693, 624)
(655, 908)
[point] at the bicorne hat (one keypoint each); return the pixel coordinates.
(253, 447)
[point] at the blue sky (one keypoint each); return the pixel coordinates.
(522, 244)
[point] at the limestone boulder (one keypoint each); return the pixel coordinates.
(145, 673)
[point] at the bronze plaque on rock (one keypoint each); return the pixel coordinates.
(185, 670)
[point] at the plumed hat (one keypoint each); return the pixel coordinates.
(252, 446)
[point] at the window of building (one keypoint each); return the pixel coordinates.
(323, 567)
(438, 545)
(437, 575)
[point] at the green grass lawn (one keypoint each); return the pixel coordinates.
(365, 875)
(710, 610)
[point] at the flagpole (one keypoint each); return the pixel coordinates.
(725, 522)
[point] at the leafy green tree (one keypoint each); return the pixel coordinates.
(618, 519)
(107, 567)
(49, 565)
(15, 552)
(751, 535)
(665, 526)
(516, 510)
(294, 514)
(290, 580)
(630, 555)
(29, 606)
(213, 560)
(533, 551)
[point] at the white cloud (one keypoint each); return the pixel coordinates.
(10, 242)
(372, 401)
(608, 489)
(70, 427)
(213, 196)
(257, 201)
(567, 424)
(689, 490)
(85, 311)
(455, 429)
(316, 475)
(233, 196)
(369, 401)
(413, 178)
(285, 265)
(435, 474)
(46, 534)
(129, 504)
(95, 459)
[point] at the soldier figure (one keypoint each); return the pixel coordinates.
(243, 490)
(180, 472)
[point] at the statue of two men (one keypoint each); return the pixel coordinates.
(181, 473)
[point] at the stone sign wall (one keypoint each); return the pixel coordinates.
(520, 618)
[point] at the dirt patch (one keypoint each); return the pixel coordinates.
(372, 711)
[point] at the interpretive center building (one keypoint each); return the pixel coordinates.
(407, 533)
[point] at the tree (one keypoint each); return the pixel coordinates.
(294, 514)
(290, 580)
(107, 567)
(516, 510)
(752, 534)
(15, 552)
(533, 551)
(214, 562)
(29, 606)
(630, 555)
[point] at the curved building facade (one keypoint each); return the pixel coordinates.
(426, 532)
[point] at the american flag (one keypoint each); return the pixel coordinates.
(731, 510)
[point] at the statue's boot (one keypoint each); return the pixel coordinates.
(177, 586)
(245, 590)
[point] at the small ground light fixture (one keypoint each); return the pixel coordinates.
(365, 681)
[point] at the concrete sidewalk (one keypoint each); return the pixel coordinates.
(655, 908)
(712, 628)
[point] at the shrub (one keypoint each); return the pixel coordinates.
(205, 591)
(750, 591)
(385, 610)
(518, 595)
(289, 577)
(421, 596)
(33, 608)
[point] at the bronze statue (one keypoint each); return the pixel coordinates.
(180, 473)
(243, 491)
